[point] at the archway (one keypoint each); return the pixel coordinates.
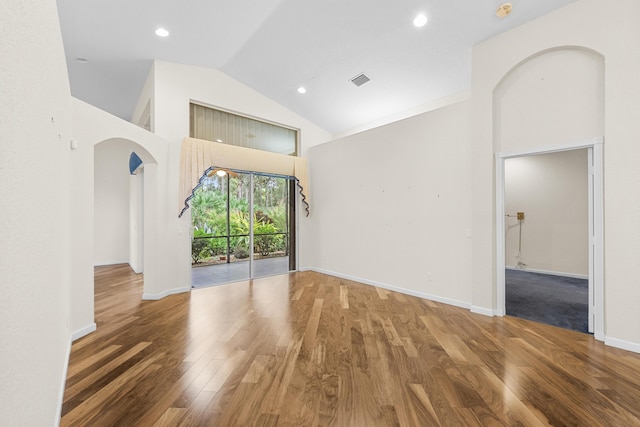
(123, 206)
(550, 102)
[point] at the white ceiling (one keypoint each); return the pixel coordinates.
(274, 46)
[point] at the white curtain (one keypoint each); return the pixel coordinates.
(198, 157)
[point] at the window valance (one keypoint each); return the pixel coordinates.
(198, 157)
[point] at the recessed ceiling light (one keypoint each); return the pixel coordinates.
(82, 60)
(420, 20)
(504, 10)
(302, 90)
(161, 32)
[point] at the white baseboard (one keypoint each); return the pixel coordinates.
(63, 384)
(83, 331)
(552, 273)
(484, 311)
(65, 368)
(108, 263)
(622, 344)
(155, 297)
(405, 291)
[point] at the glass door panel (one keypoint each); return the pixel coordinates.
(239, 206)
(220, 243)
(271, 224)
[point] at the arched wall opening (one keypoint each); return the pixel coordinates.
(124, 206)
(554, 101)
(98, 135)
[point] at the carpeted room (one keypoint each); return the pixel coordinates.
(546, 241)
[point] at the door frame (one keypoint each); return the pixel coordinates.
(596, 227)
(292, 209)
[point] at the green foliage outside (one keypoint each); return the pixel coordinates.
(199, 250)
(209, 217)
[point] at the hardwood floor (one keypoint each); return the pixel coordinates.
(308, 349)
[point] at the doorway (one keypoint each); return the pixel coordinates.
(595, 276)
(243, 227)
(546, 238)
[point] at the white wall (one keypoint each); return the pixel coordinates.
(146, 103)
(111, 202)
(136, 220)
(552, 191)
(81, 248)
(554, 97)
(35, 130)
(613, 35)
(175, 86)
(392, 205)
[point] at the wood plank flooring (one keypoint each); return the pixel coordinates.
(306, 349)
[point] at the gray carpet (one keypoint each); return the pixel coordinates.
(554, 300)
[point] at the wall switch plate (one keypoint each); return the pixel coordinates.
(520, 215)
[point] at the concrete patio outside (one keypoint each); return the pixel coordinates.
(236, 271)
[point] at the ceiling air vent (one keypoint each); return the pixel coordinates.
(360, 79)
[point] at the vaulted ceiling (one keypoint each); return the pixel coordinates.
(276, 46)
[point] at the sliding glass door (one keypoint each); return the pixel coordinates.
(271, 228)
(243, 228)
